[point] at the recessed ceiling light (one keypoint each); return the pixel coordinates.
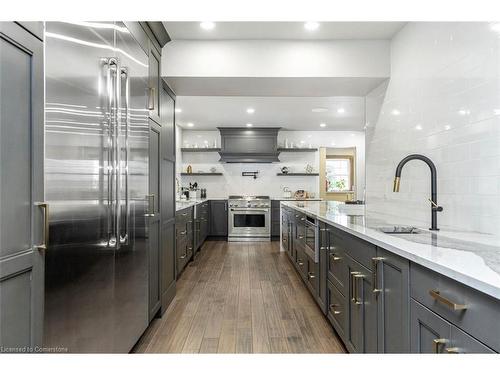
(464, 112)
(178, 110)
(322, 125)
(319, 110)
(447, 127)
(418, 127)
(395, 112)
(341, 110)
(352, 134)
(249, 125)
(207, 25)
(311, 26)
(250, 110)
(190, 124)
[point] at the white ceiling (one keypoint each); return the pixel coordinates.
(290, 113)
(283, 30)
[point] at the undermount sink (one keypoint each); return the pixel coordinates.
(398, 229)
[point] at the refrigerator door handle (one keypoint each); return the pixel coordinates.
(124, 74)
(111, 88)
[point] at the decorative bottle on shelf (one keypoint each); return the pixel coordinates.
(189, 169)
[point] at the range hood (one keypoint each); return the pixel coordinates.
(244, 145)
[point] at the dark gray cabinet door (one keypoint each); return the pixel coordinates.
(154, 84)
(218, 218)
(361, 334)
(154, 218)
(21, 187)
(167, 196)
(275, 218)
(429, 332)
(336, 262)
(391, 289)
(322, 268)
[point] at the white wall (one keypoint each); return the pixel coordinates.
(267, 182)
(443, 101)
(276, 58)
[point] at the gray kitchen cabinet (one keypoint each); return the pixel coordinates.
(275, 219)
(336, 309)
(285, 232)
(322, 267)
(361, 333)
(336, 249)
(154, 84)
(462, 343)
(167, 198)
(184, 238)
(154, 218)
(22, 218)
(391, 278)
(218, 218)
(429, 332)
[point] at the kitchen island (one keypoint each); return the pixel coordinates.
(422, 292)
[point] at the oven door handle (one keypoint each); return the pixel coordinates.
(250, 209)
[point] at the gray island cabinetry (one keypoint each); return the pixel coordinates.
(381, 302)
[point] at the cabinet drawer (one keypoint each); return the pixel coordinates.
(336, 313)
(301, 261)
(183, 215)
(361, 251)
(461, 342)
(311, 274)
(478, 315)
(337, 268)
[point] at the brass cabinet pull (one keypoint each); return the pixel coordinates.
(352, 286)
(311, 275)
(183, 256)
(436, 343)
(334, 257)
(297, 215)
(184, 214)
(445, 301)
(300, 237)
(45, 242)
(302, 218)
(357, 300)
(375, 262)
(183, 232)
(453, 350)
(332, 308)
(299, 262)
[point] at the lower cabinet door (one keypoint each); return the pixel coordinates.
(429, 332)
(361, 335)
(392, 292)
(336, 309)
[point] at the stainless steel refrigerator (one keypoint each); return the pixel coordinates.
(96, 168)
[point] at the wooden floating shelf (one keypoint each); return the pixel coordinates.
(295, 149)
(201, 174)
(297, 174)
(200, 149)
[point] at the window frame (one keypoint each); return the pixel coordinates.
(351, 173)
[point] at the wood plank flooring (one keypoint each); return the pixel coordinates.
(241, 298)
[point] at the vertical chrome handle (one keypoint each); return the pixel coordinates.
(352, 286)
(125, 236)
(375, 262)
(151, 99)
(45, 242)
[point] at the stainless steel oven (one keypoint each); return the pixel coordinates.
(249, 219)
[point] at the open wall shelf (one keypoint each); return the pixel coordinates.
(297, 174)
(201, 174)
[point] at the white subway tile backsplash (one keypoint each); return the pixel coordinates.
(443, 101)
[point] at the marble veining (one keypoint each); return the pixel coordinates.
(468, 257)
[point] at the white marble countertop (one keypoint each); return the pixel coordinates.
(180, 205)
(295, 199)
(468, 257)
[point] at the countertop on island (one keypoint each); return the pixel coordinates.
(468, 257)
(181, 205)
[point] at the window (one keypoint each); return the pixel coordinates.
(338, 173)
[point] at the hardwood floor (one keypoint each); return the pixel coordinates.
(241, 298)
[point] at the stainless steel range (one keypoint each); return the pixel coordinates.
(249, 218)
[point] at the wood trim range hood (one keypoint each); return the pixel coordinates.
(249, 145)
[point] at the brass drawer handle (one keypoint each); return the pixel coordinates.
(334, 257)
(436, 343)
(45, 242)
(375, 262)
(352, 286)
(438, 297)
(301, 237)
(453, 350)
(183, 232)
(299, 262)
(357, 298)
(183, 256)
(302, 218)
(311, 275)
(332, 308)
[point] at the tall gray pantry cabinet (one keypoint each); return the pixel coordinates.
(22, 215)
